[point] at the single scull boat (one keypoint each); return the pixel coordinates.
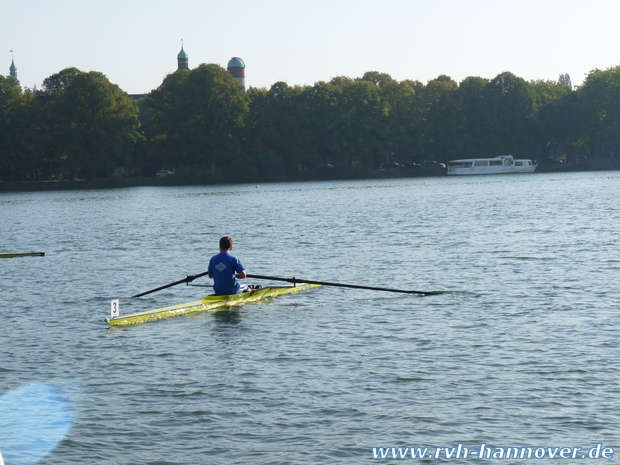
(210, 302)
(21, 254)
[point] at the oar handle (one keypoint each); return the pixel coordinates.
(272, 278)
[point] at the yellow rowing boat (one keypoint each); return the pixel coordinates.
(21, 254)
(209, 303)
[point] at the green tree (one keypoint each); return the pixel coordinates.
(564, 80)
(258, 121)
(600, 104)
(87, 124)
(283, 125)
(197, 117)
(510, 104)
(364, 124)
(344, 120)
(322, 103)
(475, 120)
(12, 134)
(440, 101)
(405, 122)
(557, 125)
(377, 78)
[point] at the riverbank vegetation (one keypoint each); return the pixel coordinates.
(204, 127)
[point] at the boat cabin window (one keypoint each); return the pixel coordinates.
(481, 163)
(460, 164)
(507, 161)
(518, 163)
(495, 162)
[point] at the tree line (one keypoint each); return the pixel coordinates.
(202, 125)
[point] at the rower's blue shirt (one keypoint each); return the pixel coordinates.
(223, 267)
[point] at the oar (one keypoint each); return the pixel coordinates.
(187, 280)
(354, 286)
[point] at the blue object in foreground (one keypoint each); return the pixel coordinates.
(33, 420)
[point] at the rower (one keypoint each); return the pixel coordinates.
(225, 269)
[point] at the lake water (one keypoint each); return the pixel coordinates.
(523, 351)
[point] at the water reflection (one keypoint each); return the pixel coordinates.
(230, 316)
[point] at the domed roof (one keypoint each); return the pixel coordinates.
(182, 54)
(236, 62)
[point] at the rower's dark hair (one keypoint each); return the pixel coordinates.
(226, 242)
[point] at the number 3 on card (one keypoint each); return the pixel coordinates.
(114, 309)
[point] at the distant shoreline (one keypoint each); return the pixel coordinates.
(605, 164)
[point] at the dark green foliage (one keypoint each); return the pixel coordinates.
(197, 117)
(14, 127)
(79, 124)
(599, 106)
(201, 124)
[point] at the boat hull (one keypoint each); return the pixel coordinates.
(490, 170)
(209, 303)
(22, 254)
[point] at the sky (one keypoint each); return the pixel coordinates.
(135, 43)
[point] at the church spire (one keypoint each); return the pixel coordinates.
(182, 58)
(13, 69)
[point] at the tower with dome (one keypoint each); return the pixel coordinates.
(236, 66)
(182, 58)
(13, 68)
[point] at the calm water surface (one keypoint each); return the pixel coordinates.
(523, 350)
